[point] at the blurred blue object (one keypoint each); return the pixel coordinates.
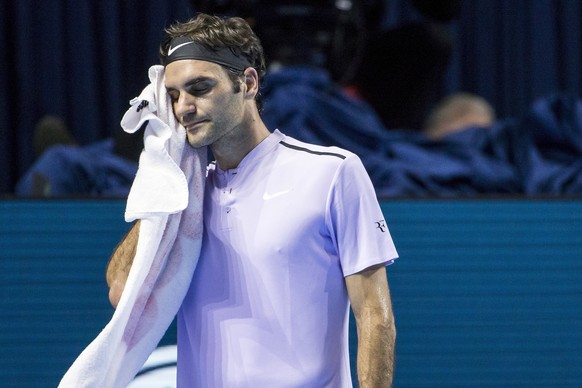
(539, 154)
(68, 170)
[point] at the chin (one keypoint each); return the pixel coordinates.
(195, 144)
(196, 141)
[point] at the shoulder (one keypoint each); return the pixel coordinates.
(314, 151)
(317, 159)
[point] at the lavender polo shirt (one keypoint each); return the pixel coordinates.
(268, 306)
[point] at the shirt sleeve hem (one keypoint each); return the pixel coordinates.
(353, 271)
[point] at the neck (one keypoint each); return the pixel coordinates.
(231, 150)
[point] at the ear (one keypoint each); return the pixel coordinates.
(251, 80)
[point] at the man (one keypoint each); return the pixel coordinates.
(292, 234)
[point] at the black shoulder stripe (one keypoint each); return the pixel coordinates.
(312, 151)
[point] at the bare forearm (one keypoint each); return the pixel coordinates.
(120, 264)
(370, 298)
(376, 341)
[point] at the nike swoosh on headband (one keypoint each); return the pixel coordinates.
(182, 47)
(171, 50)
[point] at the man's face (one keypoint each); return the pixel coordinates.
(204, 100)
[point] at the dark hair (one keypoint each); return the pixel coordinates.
(217, 32)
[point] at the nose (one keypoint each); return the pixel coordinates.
(184, 106)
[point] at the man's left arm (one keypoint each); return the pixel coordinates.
(370, 299)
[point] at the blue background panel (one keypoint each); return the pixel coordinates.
(486, 293)
(53, 295)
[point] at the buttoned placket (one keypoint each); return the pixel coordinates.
(227, 199)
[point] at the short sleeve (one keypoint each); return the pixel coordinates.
(355, 219)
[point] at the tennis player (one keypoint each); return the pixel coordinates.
(293, 234)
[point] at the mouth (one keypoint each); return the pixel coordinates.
(193, 125)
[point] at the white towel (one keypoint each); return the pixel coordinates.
(166, 196)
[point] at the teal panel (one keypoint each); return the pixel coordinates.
(486, 293)
(53, 295)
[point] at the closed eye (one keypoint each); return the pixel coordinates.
(200, 88)
(195, 87)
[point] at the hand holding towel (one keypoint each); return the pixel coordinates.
(167, 196)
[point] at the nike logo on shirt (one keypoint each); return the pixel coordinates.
(268, 196)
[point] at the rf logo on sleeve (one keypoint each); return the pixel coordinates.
(381, 225)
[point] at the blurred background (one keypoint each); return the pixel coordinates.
(69, 69)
